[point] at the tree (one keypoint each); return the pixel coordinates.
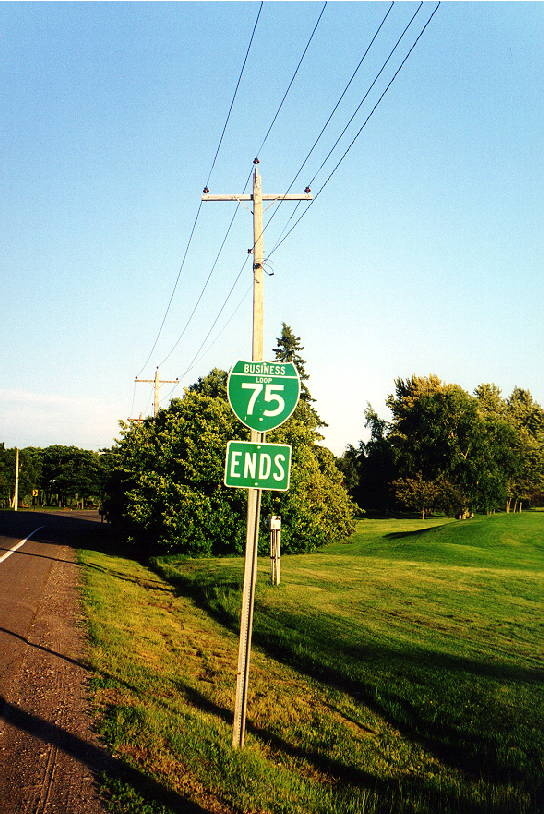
(417, 494)
(445, 448)
(526, 483)
(288, 351)
(435, 431)
(371, 467)
(166, 491)
(29, 474)
(70, 474)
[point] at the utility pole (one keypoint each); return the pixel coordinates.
(156, 382)
(254, 495)
(16, 498)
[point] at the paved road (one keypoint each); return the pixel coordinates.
(48, 755)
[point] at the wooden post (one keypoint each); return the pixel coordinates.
(254, 495)
(275, 536)
(278, 556)
(16, 498)
(156, 382)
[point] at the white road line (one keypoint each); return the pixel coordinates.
(19, 544)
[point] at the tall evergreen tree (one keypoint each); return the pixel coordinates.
(288, 350)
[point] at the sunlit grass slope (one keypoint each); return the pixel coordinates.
(397, 672)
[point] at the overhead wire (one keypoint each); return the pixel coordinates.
(216, 320)
(263, 142)
(202, 351)
(224, 326)
(195, 221)
(271, 125)
(389, 56)
(196, 356)
(235, 92)
(343, 156)
(331, 114)
(204, 287)
(373, 39)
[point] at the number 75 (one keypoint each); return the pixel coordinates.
(270, 396)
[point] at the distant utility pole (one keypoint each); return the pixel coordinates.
(156, 382)
(16, 498)
(254, 495)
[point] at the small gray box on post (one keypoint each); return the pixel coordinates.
(275, 534)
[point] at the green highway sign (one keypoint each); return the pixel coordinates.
(258, 466)
(263, 394)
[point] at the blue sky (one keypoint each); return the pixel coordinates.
(422, 254)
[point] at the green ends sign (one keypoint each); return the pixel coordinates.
(258, 466)
(263, 394)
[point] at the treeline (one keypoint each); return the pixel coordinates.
(53, 476)
(446, 450)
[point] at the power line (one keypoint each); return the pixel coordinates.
(359, 106)
(196, 355)
(200, 202)
(358, 132)
(202, 351)
(331, 114)
(204, 287)
(235, 92)
(349, 121)
(337, 103)
(214, 323)
(188, 321)
(173, 290)
(292, 80)
(392, 51)
(205, 350)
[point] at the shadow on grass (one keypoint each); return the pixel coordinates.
(387, 680)
(400, 535)
(388, 793)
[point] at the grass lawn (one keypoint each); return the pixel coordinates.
(397, 672)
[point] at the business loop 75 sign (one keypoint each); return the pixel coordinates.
(263, 394)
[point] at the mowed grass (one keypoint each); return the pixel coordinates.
(400, 671)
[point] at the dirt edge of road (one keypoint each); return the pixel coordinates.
(49, 755)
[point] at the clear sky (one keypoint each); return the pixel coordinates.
(422, 254)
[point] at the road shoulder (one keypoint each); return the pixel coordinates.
(49, 756)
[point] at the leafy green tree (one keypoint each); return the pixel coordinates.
(417, 494)
(70, 474)
(437, 430)
(371, 468)
(526, 483)
(446, 449)
(348, 463)
(6, 476)
(29, 474)
(166, 492)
